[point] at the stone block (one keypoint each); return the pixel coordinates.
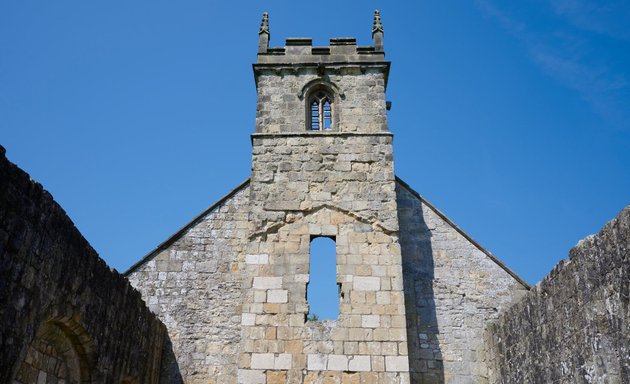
(248, 376)
(248, 319)
(257, 259)
(370, 321)
(337, 363)
(277, 296)
(317, 362)
(366, 283)
(282, 361)
(359, 363)
(262, 361)
(265, 282)
(396, 364)
(276, 377)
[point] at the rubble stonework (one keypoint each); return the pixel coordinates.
(64, 314)
(573, 326)
(194, 285)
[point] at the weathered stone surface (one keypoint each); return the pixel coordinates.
(64, 315)
(399, 279)
(453, 288)
(200, 303)
(415, 292)
(574, 326)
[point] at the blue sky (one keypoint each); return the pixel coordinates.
(513, 118)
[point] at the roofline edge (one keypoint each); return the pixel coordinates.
(464, 234)
(171, 239)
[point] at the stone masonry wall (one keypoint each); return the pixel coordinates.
(574, 326)
(366, 344)
(338, 184)
(453, 289)
(359, 104)
(64, 315)
(193, 284)
(297, 172)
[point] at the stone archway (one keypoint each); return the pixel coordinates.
(60, 353)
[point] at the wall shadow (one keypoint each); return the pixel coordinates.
(169, 368)
(425, 356)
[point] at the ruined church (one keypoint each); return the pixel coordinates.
(224, 299)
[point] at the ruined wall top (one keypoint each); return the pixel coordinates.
(301, 50)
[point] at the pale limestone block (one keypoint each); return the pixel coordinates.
(389, 348)
(248, 319)
(329, 230)
(350, 347)
(359, 363)
(383, 297)
(337, 363)
(366, 283)
(257, 259)
(316, 362)
(249, 376)
(260, 296)
(396, 363)
(282, 361)
(296, 320)
(370, 321)
(397, 334)
(301, 278)
(277, 296)
(266, 282)
(262, 361)
(378, 363)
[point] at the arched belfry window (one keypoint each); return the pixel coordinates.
(320, 107)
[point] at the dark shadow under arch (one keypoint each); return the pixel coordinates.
(61, 349)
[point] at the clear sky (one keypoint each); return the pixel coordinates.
(513, 118)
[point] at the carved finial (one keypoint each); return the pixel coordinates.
(377, 32)
(263, 34)
(264, 24)
(378, 26)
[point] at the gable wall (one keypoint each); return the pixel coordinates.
(194, 286)
(452, 291)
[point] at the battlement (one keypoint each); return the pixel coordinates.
(301, 49)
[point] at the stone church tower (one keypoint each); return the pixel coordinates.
(415, 292)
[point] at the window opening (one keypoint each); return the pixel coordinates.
(321, 112)
(323, 291)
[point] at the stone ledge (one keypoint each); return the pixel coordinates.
(263, 135)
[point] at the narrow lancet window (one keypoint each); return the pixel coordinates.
(323, 292)
(321, 112)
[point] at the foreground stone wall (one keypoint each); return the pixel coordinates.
(193, 283)
(453, 288)
(574, 326)
(64, 315)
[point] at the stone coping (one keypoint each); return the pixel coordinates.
(464, 234)
(315, 63)
(177, 235)
(318, 133)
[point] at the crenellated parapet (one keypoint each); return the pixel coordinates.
(340, 50)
